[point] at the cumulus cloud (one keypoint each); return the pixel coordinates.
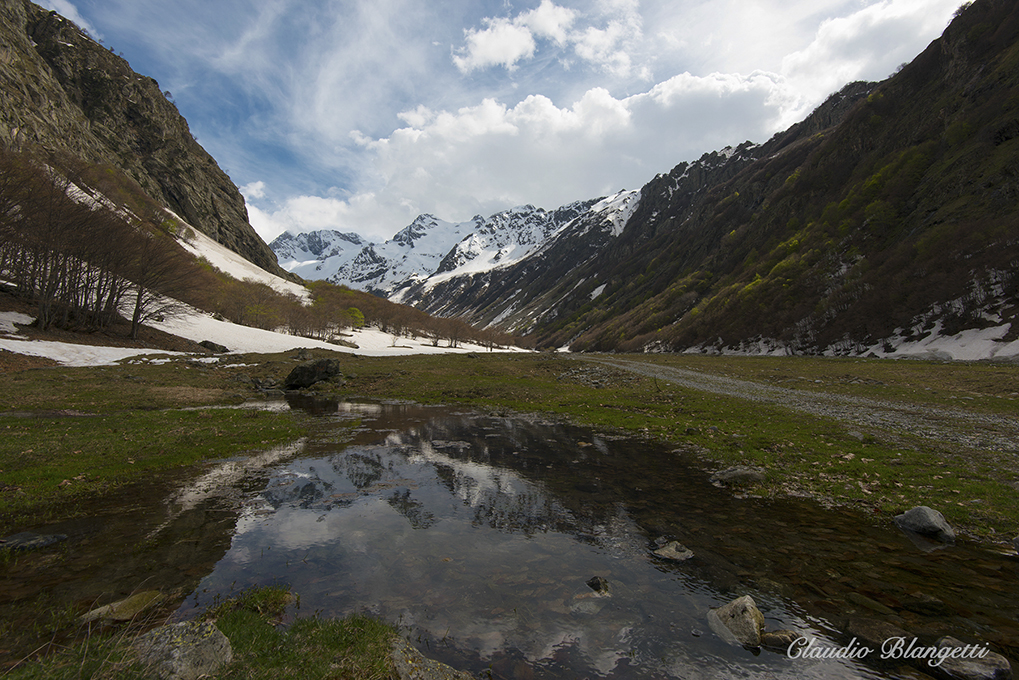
(506, 42)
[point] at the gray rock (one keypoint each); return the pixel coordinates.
(990, 666)
(184, 651)
(28, 540)
(1015, 543)
(214, 347)
(312, 372)
(926, 522)
(740, 475)
(740, 621)
(675, 551)
(598, 584)
(413, 665)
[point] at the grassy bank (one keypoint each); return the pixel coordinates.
(356, 647)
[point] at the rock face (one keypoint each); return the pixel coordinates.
(312, 372)
(62, 91)
(927, 522)
(185, 651)
(741, 618)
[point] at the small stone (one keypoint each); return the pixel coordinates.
(28, 540)
(599, 584)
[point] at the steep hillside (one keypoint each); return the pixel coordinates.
(897, 221)
(61, 91)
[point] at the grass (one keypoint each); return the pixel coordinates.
(51, 465)
(356, 647)
(881, 471)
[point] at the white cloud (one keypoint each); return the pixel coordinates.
(253, 190)
(503, 43)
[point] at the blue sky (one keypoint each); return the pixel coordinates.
(359, 115)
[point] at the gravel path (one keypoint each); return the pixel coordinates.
(972, 429)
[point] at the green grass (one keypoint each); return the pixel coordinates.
(883, 472)
(49, 463)
(356, 647)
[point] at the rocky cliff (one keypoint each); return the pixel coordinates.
(62, 91)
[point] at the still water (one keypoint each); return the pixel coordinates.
(476, 535)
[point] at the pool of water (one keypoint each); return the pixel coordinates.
(477, 535)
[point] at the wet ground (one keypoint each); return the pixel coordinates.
(477, 536)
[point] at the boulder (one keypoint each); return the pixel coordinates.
(413, 665)
(926, 522)
(740, 622)
(740, 475)
(974, 663)
(184, 651)
(308, 374)
(675, 551)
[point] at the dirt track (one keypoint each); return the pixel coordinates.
(968, 428)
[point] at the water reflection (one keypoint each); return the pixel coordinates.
(478, 535)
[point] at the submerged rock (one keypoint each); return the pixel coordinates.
(125, 609)
(926, 522)
(779, 640)
(739, 622)
(675, 551)
(184, 651)
(974, 663)
(28, 540)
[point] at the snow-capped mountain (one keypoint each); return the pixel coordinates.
(429, 250)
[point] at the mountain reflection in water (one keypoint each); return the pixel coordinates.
(477, 535)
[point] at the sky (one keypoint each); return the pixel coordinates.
(360, 115)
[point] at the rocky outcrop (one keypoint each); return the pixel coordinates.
(63, 92)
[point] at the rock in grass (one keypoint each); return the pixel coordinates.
(184, 651)
(739, 622)
(927, 522)
(740, 475)
(312, 372)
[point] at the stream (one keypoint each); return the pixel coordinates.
(476, 535)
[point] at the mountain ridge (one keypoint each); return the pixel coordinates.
(63, 92)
